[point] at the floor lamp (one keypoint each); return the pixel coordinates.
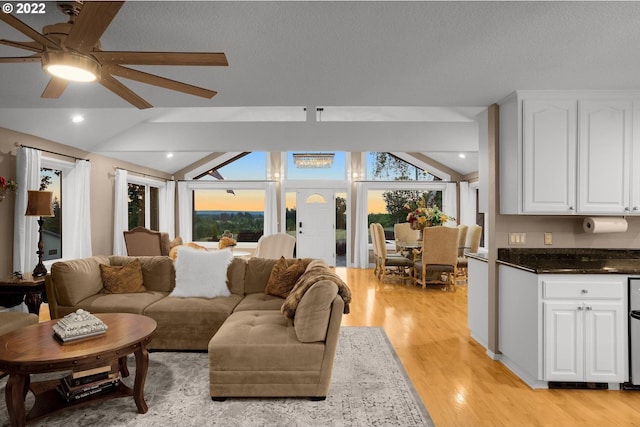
(39, 203)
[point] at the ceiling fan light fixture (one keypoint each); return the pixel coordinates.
(71, 66)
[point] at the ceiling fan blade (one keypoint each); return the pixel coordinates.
(54, 88)
(19, 59)
(161, 58)
(32, 46)
(123, 92)
(28, 31)
(152, 79)
(91, 23)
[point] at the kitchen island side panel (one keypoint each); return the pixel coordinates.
(518, 323)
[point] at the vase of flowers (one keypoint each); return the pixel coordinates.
(420, 216)
(7, 186)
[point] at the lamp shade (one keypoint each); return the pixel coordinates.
(39, 203)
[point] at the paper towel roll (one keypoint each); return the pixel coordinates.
(604, 225)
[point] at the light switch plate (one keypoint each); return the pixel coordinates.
(548, 238)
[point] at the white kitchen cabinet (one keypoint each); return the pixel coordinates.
(604, 151)
(582, 341)
(549, 150)
(563, 327)
(635, 161)
(570, 152)
(584, 328)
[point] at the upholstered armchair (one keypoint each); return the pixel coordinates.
(275, 246)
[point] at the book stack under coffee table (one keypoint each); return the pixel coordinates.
(82, 384)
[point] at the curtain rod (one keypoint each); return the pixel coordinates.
(17, 144)
(145, 174)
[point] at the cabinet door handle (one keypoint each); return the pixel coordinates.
(580, 308)
(585, 291)
(571, 208)
(588, 308)
(636, 208)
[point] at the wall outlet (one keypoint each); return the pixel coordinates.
(548, 238)
(517, 238)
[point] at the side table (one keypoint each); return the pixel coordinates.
(32, 288)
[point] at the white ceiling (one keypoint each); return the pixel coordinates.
(391, 75)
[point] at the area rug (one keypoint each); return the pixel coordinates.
(369, 387)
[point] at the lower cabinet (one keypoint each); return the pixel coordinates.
(563, 327)
(583, 341)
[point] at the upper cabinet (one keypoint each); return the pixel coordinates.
(569, 153)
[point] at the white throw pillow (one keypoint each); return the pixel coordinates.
(201, 273)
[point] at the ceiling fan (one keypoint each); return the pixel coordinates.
(71, 52)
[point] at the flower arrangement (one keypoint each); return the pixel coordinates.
(7, 185)
(421, 216)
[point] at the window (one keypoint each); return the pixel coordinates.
(240, 211)
(388, 167)
(387, 207)
(51, 180)
(248, 166)
(143, 206)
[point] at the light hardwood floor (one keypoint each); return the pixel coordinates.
(459, 384)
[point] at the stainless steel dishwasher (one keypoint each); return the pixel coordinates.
(634, 330)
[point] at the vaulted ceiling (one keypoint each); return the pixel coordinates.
(390, 75)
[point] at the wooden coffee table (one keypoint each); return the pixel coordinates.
(34, 350)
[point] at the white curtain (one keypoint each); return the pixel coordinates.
(25, 228)
(361, 243)
(184, 211)
(120, 213)
(77, 199)
(449, 203)
(271, 209)
(467, 205)
(166, 208)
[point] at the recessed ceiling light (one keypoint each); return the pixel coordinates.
(78, 118)
(462, 155)
(169, 155)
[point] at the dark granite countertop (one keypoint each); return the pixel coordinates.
(572, 261)
(480, 256)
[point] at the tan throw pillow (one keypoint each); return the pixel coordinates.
(122, 279)
(284, 275)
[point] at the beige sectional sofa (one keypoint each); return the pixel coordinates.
(255, 350)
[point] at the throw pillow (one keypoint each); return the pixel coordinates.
(201, 273)
(284, 275)
(122, 279)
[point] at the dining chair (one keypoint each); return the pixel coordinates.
(462, 238)
(471, 246)
(439, 257)
(403, 232)
(393, 264)
(275, 246)
(141, 241)
(373, 232)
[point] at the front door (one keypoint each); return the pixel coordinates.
(315, 225)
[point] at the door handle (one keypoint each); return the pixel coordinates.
(300, 224)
